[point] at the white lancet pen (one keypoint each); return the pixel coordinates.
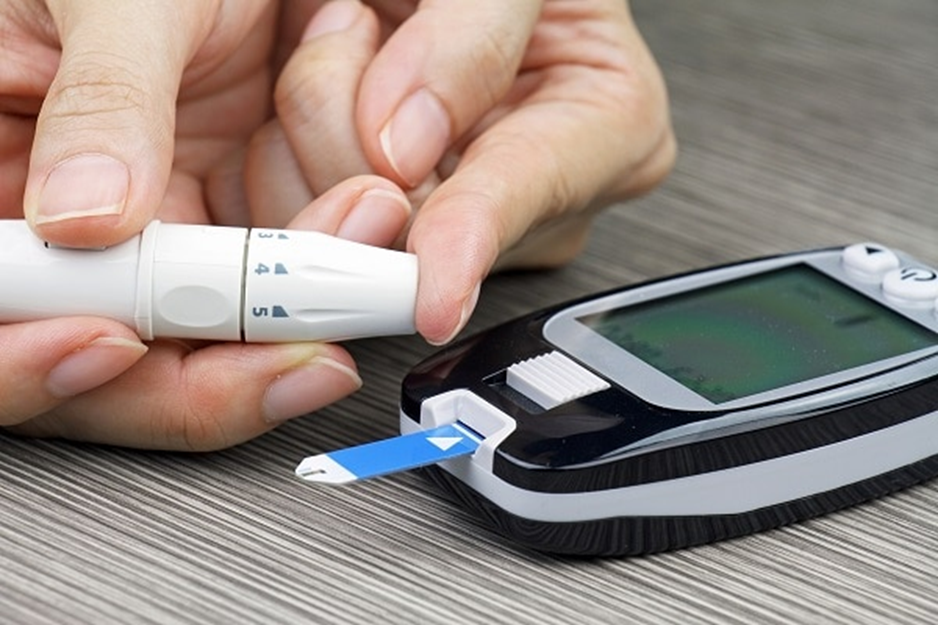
(215, 283)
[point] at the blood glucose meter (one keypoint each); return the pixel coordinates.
(695, 408)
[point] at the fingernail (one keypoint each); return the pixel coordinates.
(333, 17)
(98, 362)
(84, 186)
(376, 219)
(307, 388)
(416, 137)
(467, 308)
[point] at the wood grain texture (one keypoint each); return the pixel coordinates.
(801, 124)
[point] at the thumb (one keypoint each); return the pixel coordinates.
(103, 147)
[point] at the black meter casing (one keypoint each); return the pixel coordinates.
(614, 470)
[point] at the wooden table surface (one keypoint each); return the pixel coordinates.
(802, 124)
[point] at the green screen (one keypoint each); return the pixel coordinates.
(759, 333)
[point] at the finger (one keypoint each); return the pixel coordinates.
(29, 57)
(571, 145)
(225, 191)
(295, 16)
(211, 398)
(183, 201)
(17, 134)
(316, 93)
(365, 209)
(45, 363)
(104, 139)
(274, 184)
(436, 77)
(480, 213)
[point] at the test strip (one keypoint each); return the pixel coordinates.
(391, 455)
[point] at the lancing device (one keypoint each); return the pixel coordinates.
(213, 282)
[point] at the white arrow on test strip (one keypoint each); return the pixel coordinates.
(444, 442)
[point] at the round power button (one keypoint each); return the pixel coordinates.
(913, 286)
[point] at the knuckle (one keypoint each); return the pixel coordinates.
(204, 432)
(484, 218)
(648, 146)
(651, 166)
(96, 83)
(203, 425)
(491, 68)
(499, 55)
(310, 82)
(22, 401)
(267, 139)
(194, 418)
(662, 162)
(553, 245)
(9, 415)
(299, 94)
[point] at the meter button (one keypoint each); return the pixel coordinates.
(869, 261)
(553, 379)
(913, 286)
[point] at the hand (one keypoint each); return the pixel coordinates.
(511, 125)
(111, 112)
(92, 379)
(158, 97)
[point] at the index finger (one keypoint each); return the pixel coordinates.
(440, 72)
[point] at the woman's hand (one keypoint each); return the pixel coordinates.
(510, 124)
(111, 114)
(92, 379)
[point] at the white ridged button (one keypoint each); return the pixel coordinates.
(553, 379)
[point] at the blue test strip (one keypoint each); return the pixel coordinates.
(391, 455)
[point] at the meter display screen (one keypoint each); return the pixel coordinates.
(759, 333)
